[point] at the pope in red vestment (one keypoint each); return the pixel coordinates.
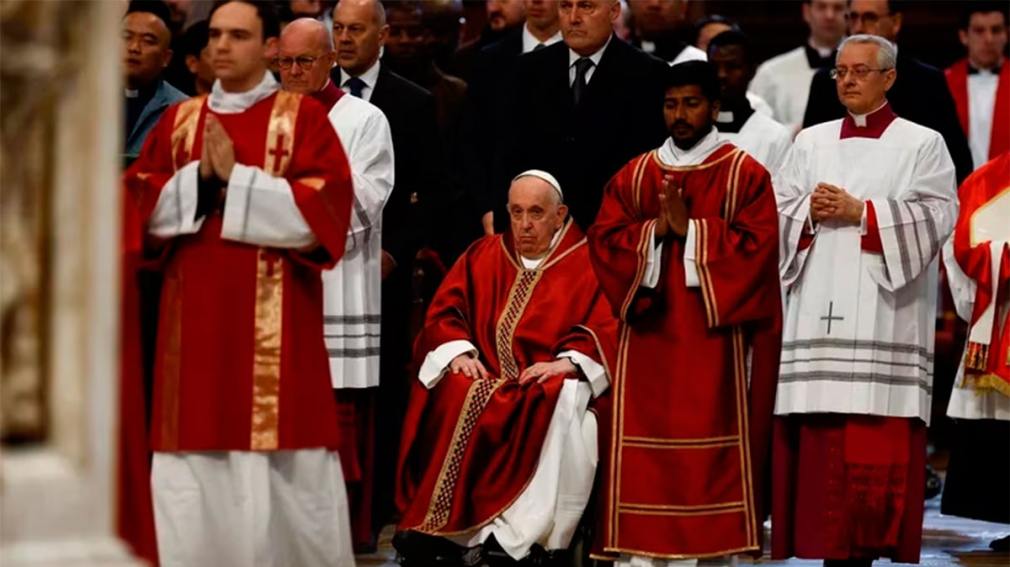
(471, 443)
(698, 342)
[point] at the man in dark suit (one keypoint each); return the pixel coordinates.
(491, 88)
(582, 109)
(359, 32)
(503, 17)
(919, 94)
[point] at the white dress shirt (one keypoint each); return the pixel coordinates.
(530, 41)
(573, 57)
(369, 77)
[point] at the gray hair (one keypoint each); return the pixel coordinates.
(887, 53)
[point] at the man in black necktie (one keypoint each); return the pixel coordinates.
(581, 109)
(359, 32)
(919, 94)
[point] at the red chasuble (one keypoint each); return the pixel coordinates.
(240, 363)
(986, 362)
(690, 431)
(957, 82)
(470, 447)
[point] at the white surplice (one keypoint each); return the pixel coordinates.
(352, 302)
(784, 83)
(763, 138)
(859, 326)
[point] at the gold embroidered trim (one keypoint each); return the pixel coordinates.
(631, 551)
(184, 130)
(705, 165)
(617, 431)
(636, 181)
(315, 183)
(648, 443)
(281, 133)
(441, 498)
(740, 387)
(267, 352)
(705, 280)
(519, 296)
(643, 246)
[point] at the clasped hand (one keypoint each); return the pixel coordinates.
(672, 210)
(834, 203)
(218, 155)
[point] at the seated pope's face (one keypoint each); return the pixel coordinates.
(536, 213)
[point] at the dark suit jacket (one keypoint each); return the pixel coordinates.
(619, 117)
(486, 119)
(919, 95)
(410, 111)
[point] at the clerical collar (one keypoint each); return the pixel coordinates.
(869, 125)
(328, 95)
(534, 263)
(672, 155)
(595, 57)
(530, 41)
(732, 121)
(132, 93)
(224, 102)
(818, 57)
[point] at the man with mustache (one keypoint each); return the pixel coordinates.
(245, 197)
(685, 250)
(865, 203)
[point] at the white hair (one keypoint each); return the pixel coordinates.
(887, 53)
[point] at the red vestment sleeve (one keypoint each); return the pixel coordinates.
(320, 179)
(737, 260)
(871, 240)
(619, 241)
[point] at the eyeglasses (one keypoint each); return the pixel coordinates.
(304, 62)
(858, 73)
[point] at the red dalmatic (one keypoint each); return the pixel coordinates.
(987, 361)
(694, 382)
(469, 447)
(240, 361)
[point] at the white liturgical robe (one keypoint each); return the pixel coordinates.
(859, 325)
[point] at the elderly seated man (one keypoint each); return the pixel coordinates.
(499, 451)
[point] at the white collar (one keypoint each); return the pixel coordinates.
(670, 154)
(530, 41)
(860, 119)
(369, 77)
(132, 93)
(224, 102)
(822, 51)
(534, 263)
(573, 57)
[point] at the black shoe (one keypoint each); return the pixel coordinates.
(1001, 545)
(416, 549)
